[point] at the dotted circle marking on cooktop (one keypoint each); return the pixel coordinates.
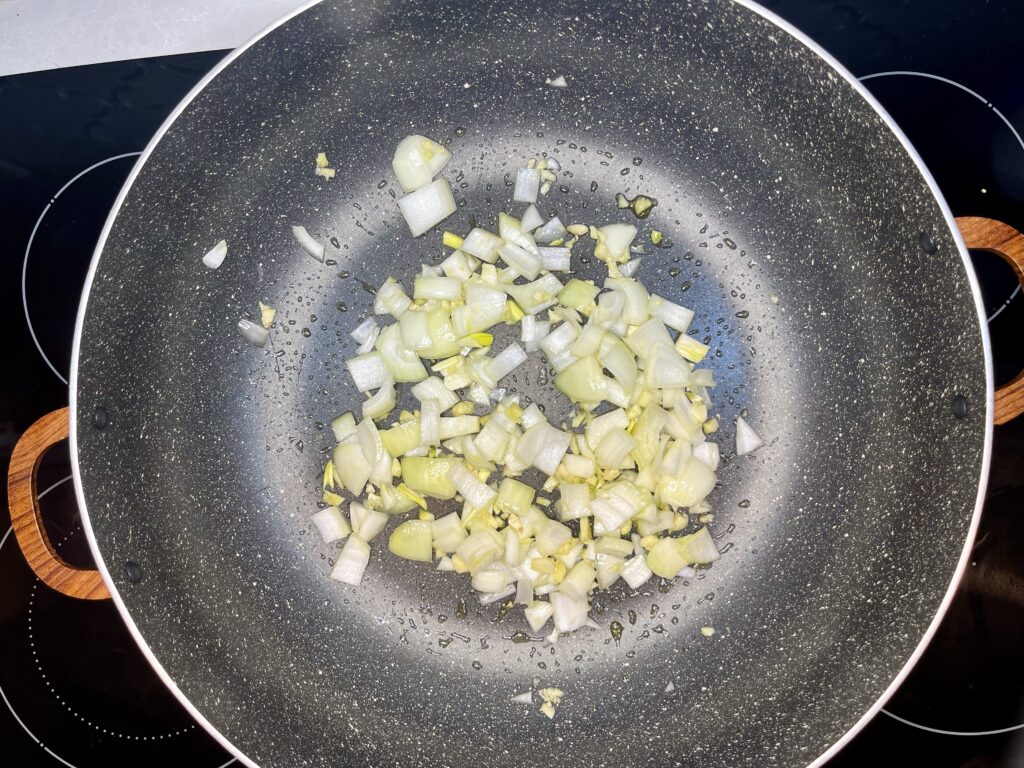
(28, 250)
(987, 103)
(3, 695)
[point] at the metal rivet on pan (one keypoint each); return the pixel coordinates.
(133, 571)
(100, 417)
(927, 243)
(959, 406)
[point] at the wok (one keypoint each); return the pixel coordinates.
(823, 265)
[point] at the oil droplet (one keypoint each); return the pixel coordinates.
(341, 306)
(742, 314)
(744, 504)
(306, 332)
(637, 160)
(624, 172)
(520, 637)
(616, 629)
(460, 611)
(477, 665)
(674, 272)
(593, 186)
(686, 286)
(444, 642)
(460, 131)
(344, 274)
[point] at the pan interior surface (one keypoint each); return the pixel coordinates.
(794, 216)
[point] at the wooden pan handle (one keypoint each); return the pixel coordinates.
(23, 499)
(990, 235)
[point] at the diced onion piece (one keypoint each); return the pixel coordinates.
(368, 371)
(414, 329)
(698, 548)
(429, 476)
(457, 266)
(403, 364)
(254, 333)
(351, 467)
(538, 295)
(506, 361)
(351, 561)
(308, 243)
(514, 497)
(609, 568)
(475, 492)
(551, 536)
(490, 442)
(456, 426)
(579, 294)
(380, 405)
(665, 369)
(402, 438)
(481, 548)
(613, 242)
(482, 244)
(434, 389)
(537, 615)
(527, 185)
(430, 423)
(343, 426)
(692, 485)
(448, 533)
(486, 598)
(427, 207)
(556, 82)
(331, 524)
(543, 447)
(569, 613)
(412, 540)
(366, 522)
(532, 331)
(601, 425)
(614, 449)
(551, 231)
(531, 219)
(363, 331)
(441, 288)
(510, 230)
(391, 299)
(708, 453)
(671, 314)
(554, 259)
(665, 559)
(635, 571)
(491, 580)
(267, 315)
(578, 466)
(417, 160)
(583, 381)
(574, 501)
(526, 264)
(690, 348)
(215, 256)
(747, 440)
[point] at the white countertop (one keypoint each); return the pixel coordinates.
(48, 34)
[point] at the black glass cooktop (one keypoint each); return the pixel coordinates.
(74, 688)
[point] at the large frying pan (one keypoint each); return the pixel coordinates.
(777, 175)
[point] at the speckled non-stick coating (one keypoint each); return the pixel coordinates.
(795, 217)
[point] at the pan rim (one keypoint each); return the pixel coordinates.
(784, 26)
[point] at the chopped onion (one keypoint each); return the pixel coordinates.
(747, 440)
(531, 219)
(510, 230)
(412, 540)
(527, 185)
(506, 361)
(368, 371)
(476, 493)
(215, 256)
(444, 288)
(448, 533)
(671, 314)
(635, 572)
(554, 259)
(344, 426)
(380, 405)
(254, 333)
(526, 264)
(364, 330)
(351, 561)
(569, 613)
(532, 331)
(331, 524)
(417, 160)
(427, 207)
(543, 447)
(552, 230)
(309, 245)
(557, 82)
(482, 244)
(708, 453)
(391, 299)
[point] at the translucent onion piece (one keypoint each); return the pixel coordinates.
(331, 524)
(417, 160)
(215, 256)
(427, 207)
(531, 219)
(747, 440)
(527, 185)
(309, 245)
(254, 333)
(351, 561)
